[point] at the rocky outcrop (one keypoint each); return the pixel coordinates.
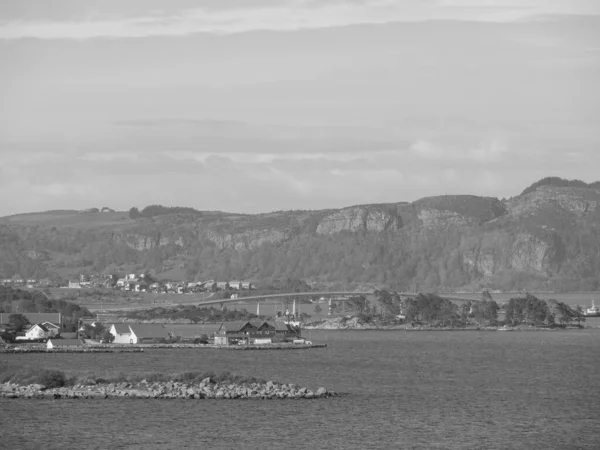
(435, 219)
(249, 239)
(141, 243)
(483, 263)
(576, 201)
(206, 389)
(524, 252)
(450, 211)
(529, 253)
(358, 218)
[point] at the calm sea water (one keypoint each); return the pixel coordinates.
(421, 390)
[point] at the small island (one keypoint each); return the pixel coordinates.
(427, 311)
(42, 384)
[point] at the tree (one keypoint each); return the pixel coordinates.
(94, 331)
(201, 340)
(107, 337)
(134, 213)
(18, 322)
(359, 302)
(465, 310)
(579, 315)
(318, 309)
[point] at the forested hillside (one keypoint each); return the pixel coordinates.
(545, 238)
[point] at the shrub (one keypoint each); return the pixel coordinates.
(30, 375)
(52, 378)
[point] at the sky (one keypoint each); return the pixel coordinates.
(256, 106)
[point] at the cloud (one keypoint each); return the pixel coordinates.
(488, 151)
(281, 16)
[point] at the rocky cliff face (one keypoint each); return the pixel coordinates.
(358, 218)
(450, 211)
(436, 219)
(249, 239)
(529, 253)
(576, 201)
(141, 243)
(524, 252)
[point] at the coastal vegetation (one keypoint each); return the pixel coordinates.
(195, 314)
(432, 310)
(56, 378)
(55, 384)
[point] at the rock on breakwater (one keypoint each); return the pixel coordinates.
(207, 389)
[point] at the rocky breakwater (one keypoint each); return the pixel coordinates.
(207, 389)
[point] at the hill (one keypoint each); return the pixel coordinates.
(545, 238)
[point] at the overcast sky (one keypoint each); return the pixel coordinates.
(255, 106)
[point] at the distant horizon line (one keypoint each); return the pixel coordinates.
(588, 185)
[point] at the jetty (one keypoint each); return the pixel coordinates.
(206, 389)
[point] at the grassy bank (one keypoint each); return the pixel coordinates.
(55, 378)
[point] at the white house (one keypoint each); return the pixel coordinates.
(74, 285)
(122, 333)
(37, 331)
(137, 333)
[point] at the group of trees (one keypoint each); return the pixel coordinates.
(158, 210)
(97, 331)
(560, 182)
(194, 313)
(24, 301)
(532, 310)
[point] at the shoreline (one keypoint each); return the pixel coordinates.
(330, 327)
(139, 348)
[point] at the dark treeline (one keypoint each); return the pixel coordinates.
(22, 301)
(560, 182)
(434, 310)
(158, 210)
(534, 311)
(193, 313)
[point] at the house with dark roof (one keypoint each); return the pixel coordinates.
(234, 332)
(64, 343)
(148, 333)
(138, 333)
(263, 327)
(53, 329)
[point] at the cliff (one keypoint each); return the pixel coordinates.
(545, 238)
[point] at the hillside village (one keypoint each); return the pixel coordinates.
(132, 283)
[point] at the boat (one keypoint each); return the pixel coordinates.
(505, 328)
(592, 311)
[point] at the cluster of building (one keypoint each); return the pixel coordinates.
(132, 282)
(42, 326)
(48, 326)
(142, 283)
(30, 283)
